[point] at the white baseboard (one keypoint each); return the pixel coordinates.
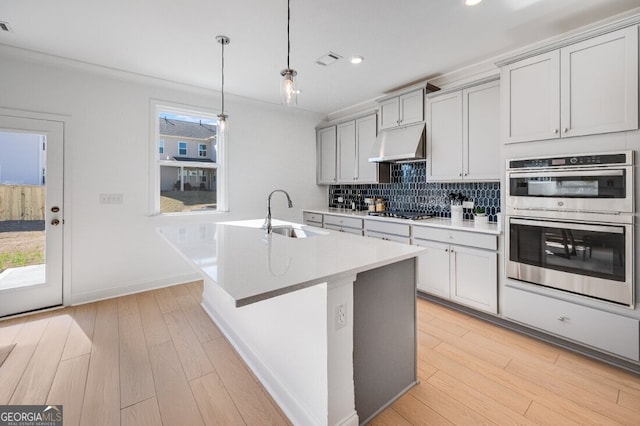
(131, 288)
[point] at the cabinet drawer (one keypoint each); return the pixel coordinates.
(388, 237)
(399, 229)
(312, 217)
(355, 231)
(349, 222)
(489, 242)
(610, 332)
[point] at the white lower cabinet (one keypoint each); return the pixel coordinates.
(389, 231)
(350, 225)
(462, 274)
(602, 330)
(312, 219)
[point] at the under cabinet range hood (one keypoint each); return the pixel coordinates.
(400, 144)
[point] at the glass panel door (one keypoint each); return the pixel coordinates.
(30, 214)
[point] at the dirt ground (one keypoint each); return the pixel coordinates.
(185, 201)
(21, 243)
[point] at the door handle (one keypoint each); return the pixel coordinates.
(55, 222)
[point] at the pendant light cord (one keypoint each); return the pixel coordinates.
(222, 78)
(288, 39)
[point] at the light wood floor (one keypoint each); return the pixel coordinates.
(156, 358)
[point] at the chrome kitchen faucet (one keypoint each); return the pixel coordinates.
(267, 221)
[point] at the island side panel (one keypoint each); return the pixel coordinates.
(284, 342)
(384, 334)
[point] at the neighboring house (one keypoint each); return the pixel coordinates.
(22, 159)
(186, 143)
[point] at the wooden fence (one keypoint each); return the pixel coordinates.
(22, 202)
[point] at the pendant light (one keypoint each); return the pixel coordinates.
(288, 90)
(222, 118)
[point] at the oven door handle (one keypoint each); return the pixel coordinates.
(562, 225)
(565, 174)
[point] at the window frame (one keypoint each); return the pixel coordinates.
(155, 108)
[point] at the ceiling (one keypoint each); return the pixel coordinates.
(402, 41)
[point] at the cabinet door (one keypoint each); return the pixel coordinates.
(347, 152)
(474, 278)
(531, 98)
(481, 132)
(326, 152)
(365, 138)
(389, 113)
(411, 107)
(432, 275)
(599, 84)
(444, 137)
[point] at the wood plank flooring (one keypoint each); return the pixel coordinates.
(156, 358)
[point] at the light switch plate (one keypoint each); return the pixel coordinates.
(110, 198)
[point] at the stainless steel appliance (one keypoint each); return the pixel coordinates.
(570, 224)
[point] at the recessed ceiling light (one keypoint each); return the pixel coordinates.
(356, 60)
(471, 2)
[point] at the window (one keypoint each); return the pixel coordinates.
(182, 148)
(181, 183)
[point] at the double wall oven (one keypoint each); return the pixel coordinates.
(570, 224)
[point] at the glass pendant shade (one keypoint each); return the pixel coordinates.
(288, 89)
(222, 122)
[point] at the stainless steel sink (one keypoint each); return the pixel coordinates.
(292, 232)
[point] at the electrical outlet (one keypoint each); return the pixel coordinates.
(341, 316)
(467, 204)
(340, 199)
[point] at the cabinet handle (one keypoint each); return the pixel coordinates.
(555, 131)
(562, 319)
(565, 130)
(459, 174)
(466, 174)
(446, 250)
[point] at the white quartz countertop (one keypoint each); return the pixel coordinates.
(436, 222)
(251, 266)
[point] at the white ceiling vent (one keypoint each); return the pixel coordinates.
(328, 59)
(4, 26)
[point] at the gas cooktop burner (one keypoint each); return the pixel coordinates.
(401, 214)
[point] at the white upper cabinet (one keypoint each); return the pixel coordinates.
(389, 113)
(481, 132)
(347, 152)
(354, 141)
(402, 110)
(444, 137)
(366, 132)
(326, 156)
(464, 134)
(599, 84)
(585, 88)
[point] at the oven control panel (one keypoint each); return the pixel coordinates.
(569, 161)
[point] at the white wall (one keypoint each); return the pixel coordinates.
(114, 249)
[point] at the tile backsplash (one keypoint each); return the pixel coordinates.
(409, 191)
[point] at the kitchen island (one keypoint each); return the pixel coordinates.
(326, 322)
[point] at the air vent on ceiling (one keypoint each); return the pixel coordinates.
(328, 59)
(4, 26)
